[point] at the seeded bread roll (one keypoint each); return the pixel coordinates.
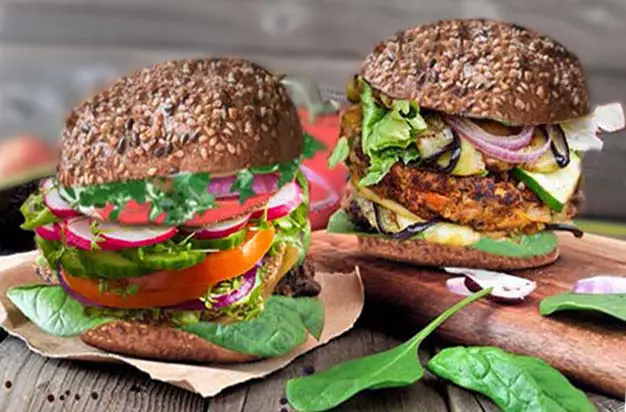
(423, 253)
(215, 115)
(482, 69)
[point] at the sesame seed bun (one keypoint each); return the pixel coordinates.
(423, 253)
(215, 115)
(482, 69)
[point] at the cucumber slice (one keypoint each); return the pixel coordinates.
(109, 265)
(231, 241)
(71, 262)
(555, 188)
(169, 261)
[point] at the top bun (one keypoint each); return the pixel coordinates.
(215, 115)
(482, 69)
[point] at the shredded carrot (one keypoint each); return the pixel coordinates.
(435, 200)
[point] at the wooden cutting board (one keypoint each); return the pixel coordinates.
(589, 349)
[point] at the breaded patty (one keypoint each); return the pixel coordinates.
(487, 204)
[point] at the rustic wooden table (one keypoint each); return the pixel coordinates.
(33, 383)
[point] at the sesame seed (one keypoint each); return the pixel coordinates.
(179, 154)
(152, 171)
(203, 138)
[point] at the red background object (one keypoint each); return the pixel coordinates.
(326, 184)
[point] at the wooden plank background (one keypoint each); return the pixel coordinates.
(54, 52)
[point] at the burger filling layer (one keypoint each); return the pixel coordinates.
(225, 273)
(460, 181)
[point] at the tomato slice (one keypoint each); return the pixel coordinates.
(169, 288)
(227, 208)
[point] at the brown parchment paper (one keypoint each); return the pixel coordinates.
(342, 294)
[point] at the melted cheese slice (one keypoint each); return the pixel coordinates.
(449, 234)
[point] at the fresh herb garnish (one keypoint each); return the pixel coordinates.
(36, 213)
(610, 304)
(513, 382)
(397, 367)
(243, 185)
(311, 146)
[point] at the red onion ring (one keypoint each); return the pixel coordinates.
(221, 187)
(496, 151)
(513, 142)
(332, 197)
(601, 285)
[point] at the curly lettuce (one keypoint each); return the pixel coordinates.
(388, 135)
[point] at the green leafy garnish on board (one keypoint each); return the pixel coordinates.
(515, 383)
(610, 304)
(396, 367)
(50, 308)
(275, 332)
(388, 136)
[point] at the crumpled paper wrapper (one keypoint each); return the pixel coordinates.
(342, 294)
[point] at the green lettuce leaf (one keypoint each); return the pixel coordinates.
(340, 152)
(388, 136)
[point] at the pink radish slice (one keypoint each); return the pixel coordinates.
(282, 203)
(506, 288)
(220, 230)
(457, 285)
(119, 237)
(55, 203)
(78, 234)
(51, 232)
(601, 285)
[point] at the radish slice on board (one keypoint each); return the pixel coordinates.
(506, 288)
(601, 285)
(219, 230)
(119, 237)
(78, 234)
(282, 203)
(54, 202)
(51, 232)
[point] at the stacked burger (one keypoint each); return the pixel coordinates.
(177, 227)
(464, 142)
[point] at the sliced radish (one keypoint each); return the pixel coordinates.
(601, 285)
(119, 237)
(51, 232)
(79, 235)
(506, 288)
(219, 230)
(54, 202)
(282, 203)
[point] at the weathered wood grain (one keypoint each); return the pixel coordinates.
(118, 388)
(37, 383)
(588, 349)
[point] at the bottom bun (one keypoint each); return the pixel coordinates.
(423, 253)
(159, 343)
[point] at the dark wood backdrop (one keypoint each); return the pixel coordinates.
(53, 52)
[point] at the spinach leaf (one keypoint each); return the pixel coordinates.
(50, 308)
(612, 305)
(274, 332)
(397, 367)
(515, 383)
(340, 152)
(310, 311)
